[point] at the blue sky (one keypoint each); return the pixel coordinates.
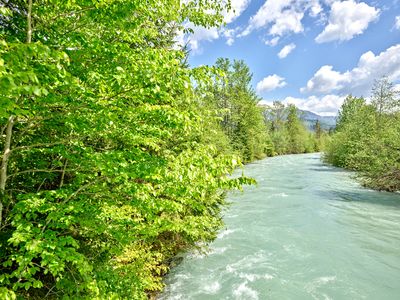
(311, 53)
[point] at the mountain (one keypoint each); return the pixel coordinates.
(309, 119)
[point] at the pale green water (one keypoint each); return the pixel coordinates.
(307, 231)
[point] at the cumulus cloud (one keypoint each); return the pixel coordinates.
(270, 83)
(282, 17)
(315, 8)
(346, 20)
(327, 105)
(286, 50)
(359, 80)
(289, 21)
(326, 80)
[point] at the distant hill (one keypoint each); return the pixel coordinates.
(309, 118)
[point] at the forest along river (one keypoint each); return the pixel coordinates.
(307, 231)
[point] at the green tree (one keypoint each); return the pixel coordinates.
(242, 120)
(320, 137)
(278, 115)
(361, 144)
(318, 129)
(289, 134)
(355, 127)
(105, 172)
(300, 141)
(384, 99)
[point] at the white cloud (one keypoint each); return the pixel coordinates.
(288, 22)
(359, 80)
(397, 23)
(282, 17)
(272, 42)
(286, 50)
(346, 20)
(202, 34)
(180, 40)
(326, 80)
(238, 7)
(229, 34)
(327, 105)
(315, 8)
(270, 83)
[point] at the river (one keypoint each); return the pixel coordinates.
(306, 231)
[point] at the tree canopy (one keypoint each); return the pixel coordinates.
(105, 172)
(114, 154)
(367, 138)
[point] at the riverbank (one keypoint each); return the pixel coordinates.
(306, 230)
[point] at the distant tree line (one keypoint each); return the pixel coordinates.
(251, 130)
(288, 133)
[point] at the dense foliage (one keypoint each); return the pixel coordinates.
(289, 134)
(367, 138)
(251, 130)
(114, 154)
(109, 165)
(231, 96)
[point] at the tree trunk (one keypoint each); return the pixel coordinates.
(29, 23)
(4, 162)
(10, 124)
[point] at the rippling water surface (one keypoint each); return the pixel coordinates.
(307, 231)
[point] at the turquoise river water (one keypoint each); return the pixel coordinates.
(306, 231)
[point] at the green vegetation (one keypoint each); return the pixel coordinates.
(109, 163)
(230, 96)
(114, 154)
(289, 135)
(249, 130)
(367, 138)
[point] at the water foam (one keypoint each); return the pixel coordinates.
(249, 277)
(313, 286)
(268, 277)
(252, 277)
(212, 288)
(225, 233)
(247, 262)
(217, 251)
(244, 292)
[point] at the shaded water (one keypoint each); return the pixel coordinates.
(307, 231)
